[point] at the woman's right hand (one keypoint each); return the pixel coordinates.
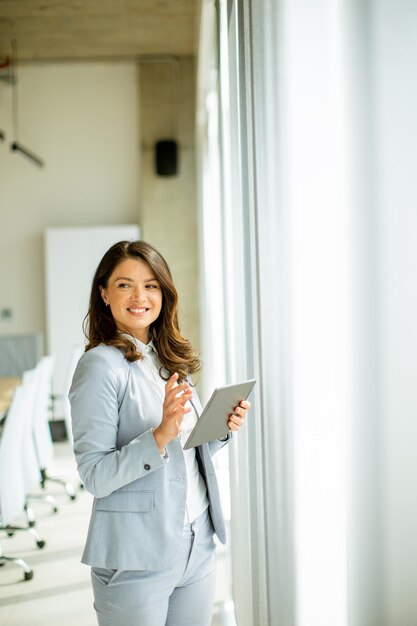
(174, 410)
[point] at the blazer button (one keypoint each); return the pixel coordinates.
(147, 466)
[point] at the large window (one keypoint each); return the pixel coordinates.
(281, 233)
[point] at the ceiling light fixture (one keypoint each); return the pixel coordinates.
(16, 146)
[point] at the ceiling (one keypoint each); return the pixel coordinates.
(52, 30)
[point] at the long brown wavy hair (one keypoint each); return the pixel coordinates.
(175, 352)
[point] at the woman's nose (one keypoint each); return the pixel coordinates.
(139, 293)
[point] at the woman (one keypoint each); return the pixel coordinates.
(150, 541)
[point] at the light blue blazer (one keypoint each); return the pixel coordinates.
(139, 499)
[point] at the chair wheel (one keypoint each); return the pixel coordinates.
(10, 533)
(41, 543)
(55, 509)
(28, 575)
(73, 497)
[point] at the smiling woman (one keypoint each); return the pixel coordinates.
(150, 542)
(134, 297)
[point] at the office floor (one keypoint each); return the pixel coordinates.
(59, 592)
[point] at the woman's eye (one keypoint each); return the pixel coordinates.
(152, 286)
(123, 285)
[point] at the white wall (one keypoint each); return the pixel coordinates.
(82, 119)
(395, 52)
(72, 255)
(168, 216)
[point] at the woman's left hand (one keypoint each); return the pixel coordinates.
(237, 418)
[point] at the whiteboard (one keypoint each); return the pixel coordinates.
(71, 258)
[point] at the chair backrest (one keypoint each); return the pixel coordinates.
(41, 408)
(30, 461)
(12, 483)
(19, 353)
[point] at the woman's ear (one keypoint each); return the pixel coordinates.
(104, 296)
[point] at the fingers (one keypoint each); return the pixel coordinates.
(171, 382)
(235, 422)
(172, 389)
(242, 408)
(179, 394)
(237, 418)
(173, 411)
(176, 396)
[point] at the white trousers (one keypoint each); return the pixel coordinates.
(180, 596)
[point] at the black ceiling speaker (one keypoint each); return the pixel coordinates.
(166, 158)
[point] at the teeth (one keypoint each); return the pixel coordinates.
(137, 310)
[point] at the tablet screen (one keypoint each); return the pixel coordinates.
(212, 424)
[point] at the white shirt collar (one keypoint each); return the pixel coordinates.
(144, 348)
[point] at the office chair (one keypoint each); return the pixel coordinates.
(13, 491)
(28, 571)
(41, 432)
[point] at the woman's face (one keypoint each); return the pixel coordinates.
(134, 296)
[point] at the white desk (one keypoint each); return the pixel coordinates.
(7, 386)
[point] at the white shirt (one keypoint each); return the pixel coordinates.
(197, 500)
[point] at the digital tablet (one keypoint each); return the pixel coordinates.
(212, 423)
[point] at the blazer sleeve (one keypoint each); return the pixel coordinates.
(217, 444)
(94, 396)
